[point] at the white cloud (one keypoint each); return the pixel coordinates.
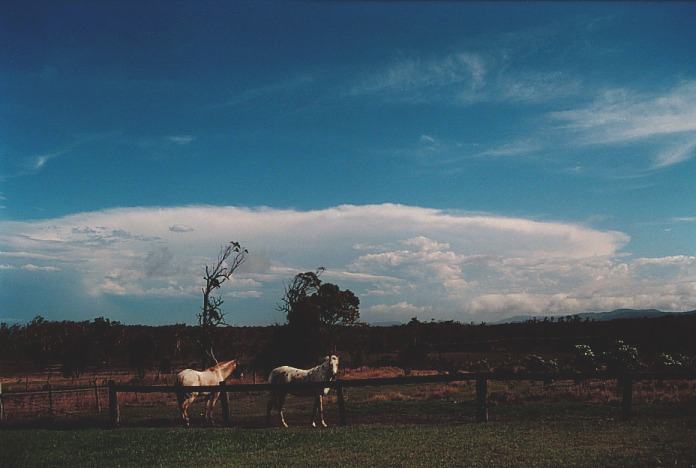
(401, 311)
(535, 86)
(32, 267)
(455, 265)
(181, 139)
(684, 219)
(514, 148)
(180, 228)
(622, 116)
(426, 139)
(410, 75)
(34, 255)
(676, 154)
(28, 267)
(464, 78)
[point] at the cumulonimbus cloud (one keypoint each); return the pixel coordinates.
(395, 257)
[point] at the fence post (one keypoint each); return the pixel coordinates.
(2, 407)
(627, 400)
(50, 399)
(96, 396)
(481, 399)
(114, 411)
(341, 405)
(225, 404)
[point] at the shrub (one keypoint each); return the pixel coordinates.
(621, 357)
(666, 361)
(536, 363)
(584, 359)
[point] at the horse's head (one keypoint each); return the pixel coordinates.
(331, 365)
(230, 368)
(238, 372)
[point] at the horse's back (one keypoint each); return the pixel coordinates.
(187, 378)
(288, 374)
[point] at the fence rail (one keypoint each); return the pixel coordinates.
(625, 380)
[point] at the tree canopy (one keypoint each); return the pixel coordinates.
(308, 300)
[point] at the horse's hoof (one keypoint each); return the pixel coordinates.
(323, 424)
(314, 424)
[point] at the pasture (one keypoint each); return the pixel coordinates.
(530, 424)
(531, 434)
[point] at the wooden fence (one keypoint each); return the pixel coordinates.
(51, 393)
(624, 380)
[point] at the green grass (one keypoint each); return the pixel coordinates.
(517, 435)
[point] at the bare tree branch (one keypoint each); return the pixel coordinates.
(229, 259)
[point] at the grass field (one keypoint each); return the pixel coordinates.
(538, 434)
(531, 424)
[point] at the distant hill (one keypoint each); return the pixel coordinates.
(601, 316)
(390, 323)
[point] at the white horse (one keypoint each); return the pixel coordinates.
(211, 376)
(324, 372)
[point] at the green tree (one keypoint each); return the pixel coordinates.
(315, 311)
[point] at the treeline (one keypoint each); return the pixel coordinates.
(102, 343)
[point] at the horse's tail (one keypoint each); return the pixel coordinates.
(272, 376)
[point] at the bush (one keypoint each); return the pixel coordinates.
(621, 357)
(536, 363)
(584, 359)
(666, 361)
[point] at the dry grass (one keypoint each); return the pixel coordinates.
(85, 402)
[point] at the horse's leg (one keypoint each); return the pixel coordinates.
(213, 399)
(314, 411)
(180, 398)
(206, 409)
(269, 407)
(184, 410)
(281, 402)
(321, 410)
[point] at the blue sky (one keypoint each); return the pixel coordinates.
(445, 160)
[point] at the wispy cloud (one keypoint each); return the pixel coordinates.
(413, 74)
(534, 86)
(464, 78)
(623, 116)
(676, 154)
(41, 160)
(28, 267)
(249, 95)
(181, 139)
(514, 148)
(30, 165)
(684, 219)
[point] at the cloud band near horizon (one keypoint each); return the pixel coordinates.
(400, 260)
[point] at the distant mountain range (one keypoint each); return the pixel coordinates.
(601, 316)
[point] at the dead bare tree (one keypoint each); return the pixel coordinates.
(230, 258)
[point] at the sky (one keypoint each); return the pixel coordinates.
(442, 160)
